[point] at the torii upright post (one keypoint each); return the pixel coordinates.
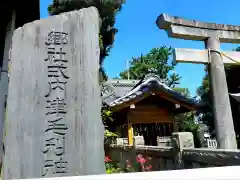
(212, 34)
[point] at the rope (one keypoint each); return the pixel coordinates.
(222, 54)
(209, 56)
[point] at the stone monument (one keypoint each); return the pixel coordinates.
(212, 34)
(54, 125)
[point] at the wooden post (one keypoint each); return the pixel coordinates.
(214, 34)
(130, 133)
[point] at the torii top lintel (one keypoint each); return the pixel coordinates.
(178, 27)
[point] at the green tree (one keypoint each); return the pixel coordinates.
(187, 124)
(187, 120)
(205, 114)
(159, 59)
(108, 120)
(107, 11)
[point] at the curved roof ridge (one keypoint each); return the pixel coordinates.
(139, 87)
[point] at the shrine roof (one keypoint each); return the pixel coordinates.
(114, 89)
(118, 94)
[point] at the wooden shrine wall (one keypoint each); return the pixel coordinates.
(149, 113)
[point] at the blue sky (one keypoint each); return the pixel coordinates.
(138, 32)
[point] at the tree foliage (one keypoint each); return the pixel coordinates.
(107, 11)
(108, 119)
(205, 114)
(107, 115)
(187, 124)
(158, 59)
(187, 120)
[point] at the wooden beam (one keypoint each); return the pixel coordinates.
(201, 56)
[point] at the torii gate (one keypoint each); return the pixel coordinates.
(212, 34)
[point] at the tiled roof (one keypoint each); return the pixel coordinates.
(122, 91)
(114, 89)
(122, 87)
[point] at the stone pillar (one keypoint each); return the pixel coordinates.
(222, 110)
(181, 140)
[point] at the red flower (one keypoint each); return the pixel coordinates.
(107, 159)
(141, 159)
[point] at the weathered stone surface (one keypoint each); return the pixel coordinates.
(191, 33)
(201, 56)
(165, 20)
(195, 30)
(196, 165)
(223, 120)
(212, 35)
(215, 157)
(166, 152)
(162, 158)
(139, 140)
(164, 141)
(183, 140)
(38, 86)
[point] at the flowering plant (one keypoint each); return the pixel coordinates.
(142, 164)
(110, 166)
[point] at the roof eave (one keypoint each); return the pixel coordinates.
(154, 87)
(126, 104)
